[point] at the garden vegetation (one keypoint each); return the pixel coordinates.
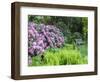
(56, 40)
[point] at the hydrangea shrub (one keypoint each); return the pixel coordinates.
(42, 37)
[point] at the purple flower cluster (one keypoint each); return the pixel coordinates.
(42, 37)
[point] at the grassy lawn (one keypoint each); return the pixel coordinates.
(83, 50)
(62, 56)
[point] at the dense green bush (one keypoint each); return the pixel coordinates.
(63, 56)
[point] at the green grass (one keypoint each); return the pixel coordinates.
(62, 56)
(83, 50)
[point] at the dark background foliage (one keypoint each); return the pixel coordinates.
(72, 27)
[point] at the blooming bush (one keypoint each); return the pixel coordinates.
(42, 37)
